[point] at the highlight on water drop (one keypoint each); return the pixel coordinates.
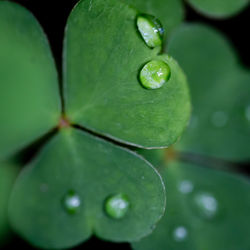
(185, 187)
(180, 233)
(154, 74)
(150, 29)
(117, 206)
(71, 202)
(206, 205)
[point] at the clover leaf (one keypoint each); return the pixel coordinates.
(201, 211)
(29, 91)
(68, 165)
(220, 124)
(218, 8)
(78, 184)
(102, 92)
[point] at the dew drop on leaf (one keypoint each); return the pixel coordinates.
(247, 113)
(194, 121)
(44, 187)
(154, 74)
(219, 119)
(150, 29)
(206, 205)
(71, 202)
(180, 233)
(117, 206)
(186, 187)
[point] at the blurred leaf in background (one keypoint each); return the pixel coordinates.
(8, 173)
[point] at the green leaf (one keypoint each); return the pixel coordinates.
(219, 8)
(8, 174)
(170, 12)
(103, 56)
(29, 92)
(220, 124)
(60, 198)
(206, 209)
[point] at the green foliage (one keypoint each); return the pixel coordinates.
(220, 124)
(29, 96)
(206, 209)
(67, 163)
(104, 97)
(59, 199)
(219, 8)
(79, 184)
(8, 174)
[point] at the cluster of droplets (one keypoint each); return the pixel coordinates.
(203, 204)
(155, 72)
(115, 206)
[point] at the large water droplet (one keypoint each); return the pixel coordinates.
(247, 113)
(219, 119)
(154, 74)
(180, 233)
(206, 205)
(117, 206)
(150, 29)
(71, 202)
(186, 186)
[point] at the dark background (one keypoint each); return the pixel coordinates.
(52, 15)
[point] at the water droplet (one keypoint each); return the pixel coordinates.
(186, 187)
(154, 74)
(44, 187)
(193, 121)
(219, 119)
(150, 29)
(247, 112)
(206, 205)
(180, 233)
(117, 206)
(71, 202)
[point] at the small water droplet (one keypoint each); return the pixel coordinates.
(247, 113)
(219, 119)
(180, 233)
(206, 205)
(193, 121)
(154, 74)
(44, 187)
(150, 29)
(186, 187)
(117, 206)
(71, 202)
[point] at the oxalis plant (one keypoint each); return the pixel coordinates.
(121, 98)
